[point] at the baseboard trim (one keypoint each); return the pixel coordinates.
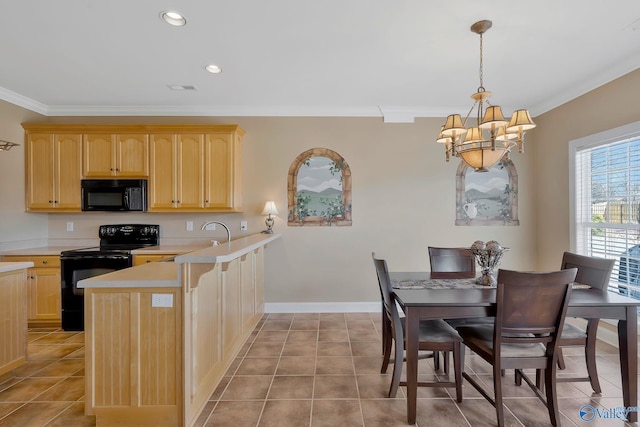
(322, 307)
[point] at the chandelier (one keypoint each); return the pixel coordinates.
(491, 138)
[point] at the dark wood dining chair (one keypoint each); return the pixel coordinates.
(594, 272)
(435, 335)
(530, 312)
(452, 263)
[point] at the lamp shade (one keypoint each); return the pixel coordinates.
(493, 118)
(270, 208)
(520, 121)
(453, 126)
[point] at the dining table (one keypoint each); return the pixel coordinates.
(424, 298)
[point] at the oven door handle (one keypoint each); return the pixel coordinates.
(85, 257)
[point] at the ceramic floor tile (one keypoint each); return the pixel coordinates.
(319, 369)
(27, 389)
(286, 413)
(291, 387)
(334, 335)
(69, 389)
(34, 414)
(335, 387)
(329, 348)
(271, 336)
(332, 413)
(302, 365)
(299, 349)
(258, 366)
(326, 365)
(247, 388)
(236, 414)
(73, 416)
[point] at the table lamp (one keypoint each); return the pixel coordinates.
(269, 209)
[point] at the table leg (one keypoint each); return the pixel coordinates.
(628, 345)
(412, 325)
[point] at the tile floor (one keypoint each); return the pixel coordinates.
(304, 370)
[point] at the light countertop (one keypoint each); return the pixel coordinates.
(41, 251)
(12, 266)
(152, 275)
(226, 252)
(168, 249)
(166, 274)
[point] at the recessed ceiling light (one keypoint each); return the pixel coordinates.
(173, 18)
(213, 69)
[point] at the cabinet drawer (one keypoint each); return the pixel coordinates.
(46, 261)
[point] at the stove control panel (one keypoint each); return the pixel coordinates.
(129, 234)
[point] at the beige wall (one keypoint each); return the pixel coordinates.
(403, 194)
(403, 201)
(16, 228)
(610, 106)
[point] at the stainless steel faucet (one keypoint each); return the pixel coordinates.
(215, 242)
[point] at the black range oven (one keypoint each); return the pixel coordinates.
(114, 253)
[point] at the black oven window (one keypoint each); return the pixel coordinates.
(105, 199)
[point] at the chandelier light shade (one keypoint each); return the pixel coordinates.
(483, 140)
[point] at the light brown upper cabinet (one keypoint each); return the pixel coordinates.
(54, 170)
(116, 155)
(190, 168)
(176, 172)
(194, 172)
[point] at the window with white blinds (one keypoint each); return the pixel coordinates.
(606, 202)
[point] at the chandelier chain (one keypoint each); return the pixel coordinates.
(481, 76)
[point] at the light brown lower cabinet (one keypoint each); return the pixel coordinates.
(13, 327)
(145, 259)
(43, 290)
(157, 366)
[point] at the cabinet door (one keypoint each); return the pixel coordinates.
(162, 173)
(44, 294)
(99, 155)
(189, 153)
(40, 173)
(219, 169)
(68, 167)
(132, 156)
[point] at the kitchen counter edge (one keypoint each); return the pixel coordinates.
(12, 266)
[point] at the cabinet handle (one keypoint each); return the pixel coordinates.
(173, 201)
(117, 169)
(178, 201)
(45, 261)
(50, 201)
(206, 201)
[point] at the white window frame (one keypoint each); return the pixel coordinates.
(629, 131)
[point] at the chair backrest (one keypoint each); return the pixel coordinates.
(452, 263)
(592, 271)
(386, 289)
(531, 306)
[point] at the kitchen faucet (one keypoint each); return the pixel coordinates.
(215, 242)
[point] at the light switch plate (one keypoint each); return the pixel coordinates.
(70, 226)
(189, 225)
(243, 225)
(161, 300)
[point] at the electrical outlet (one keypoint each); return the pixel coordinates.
(243, 225)
(189, 225)
(69, 226)
(161, 300)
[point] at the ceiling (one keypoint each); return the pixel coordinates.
(360, 58)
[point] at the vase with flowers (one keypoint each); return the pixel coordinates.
(488, 257)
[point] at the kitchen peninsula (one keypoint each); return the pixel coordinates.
(160, 336)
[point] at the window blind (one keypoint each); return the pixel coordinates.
(607, 208)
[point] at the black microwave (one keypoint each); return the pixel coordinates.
(114, 195)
